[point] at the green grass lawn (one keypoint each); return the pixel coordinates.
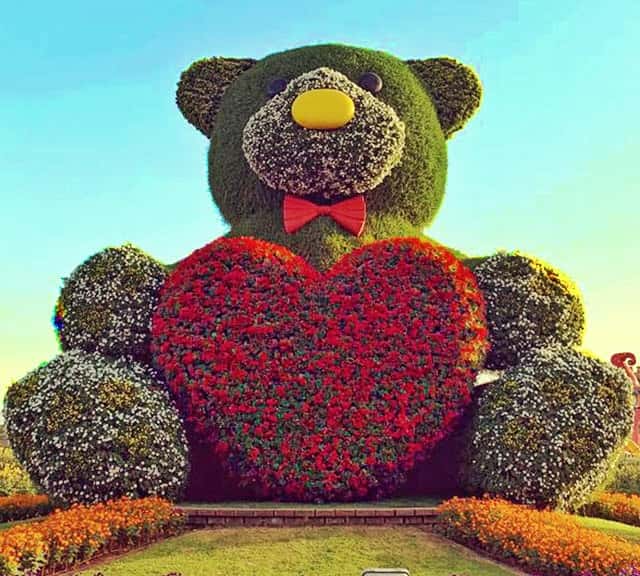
(391, 503)
(306, 551)
(631, 533)
(5, 525)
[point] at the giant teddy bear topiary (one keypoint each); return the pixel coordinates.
(325, 347)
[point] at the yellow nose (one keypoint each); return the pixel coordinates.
(322, 109)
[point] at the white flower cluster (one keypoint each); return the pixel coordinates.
(548, 430)
(350, 160)
(107, 303)
(529, 305)
(88, 429)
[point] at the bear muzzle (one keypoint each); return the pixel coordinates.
(323, 136)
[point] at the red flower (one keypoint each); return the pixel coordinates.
(341, 380)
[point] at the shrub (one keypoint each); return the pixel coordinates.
(13, 477)
(613, 506)
(320, 386)
(88, 429)
(22, 506)
(68, 537)
(529, 305)
(541, 542)
(625, 476)
(107, 302)
(549, 429)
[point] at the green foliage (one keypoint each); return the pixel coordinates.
(13, 477)
(530, 305)
(107, 303)
(454, 88)
(474, 261)
(413, 190)
(625, 475)
(87, 429)
(547, 432)
(220, 96)
(201, 88)
(322, 242)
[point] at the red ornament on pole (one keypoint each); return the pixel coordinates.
(625, 360)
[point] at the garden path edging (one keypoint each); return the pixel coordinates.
(216, 516)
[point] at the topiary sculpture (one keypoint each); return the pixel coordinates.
(324, 346)
(549, 430)
(106, 304)
(529, 305)
(89, 429)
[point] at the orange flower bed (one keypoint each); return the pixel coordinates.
(613, 506)
(21, 506)
(67, 537)
(544, 542)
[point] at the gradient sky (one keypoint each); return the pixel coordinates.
(93, 151)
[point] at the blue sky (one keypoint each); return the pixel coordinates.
(93, 151)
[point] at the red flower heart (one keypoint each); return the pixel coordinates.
(320, 385)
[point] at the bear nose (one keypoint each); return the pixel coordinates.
(323, 109)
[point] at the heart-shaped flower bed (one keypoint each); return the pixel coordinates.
(320, 386)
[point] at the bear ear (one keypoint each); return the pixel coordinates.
(454, 88)
(202, 85)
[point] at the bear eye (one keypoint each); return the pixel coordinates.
(371, 81)
(276, 86)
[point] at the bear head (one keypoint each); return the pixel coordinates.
(304, 130)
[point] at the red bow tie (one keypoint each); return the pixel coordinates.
(350, 213)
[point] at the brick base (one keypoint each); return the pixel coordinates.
(218, 516)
